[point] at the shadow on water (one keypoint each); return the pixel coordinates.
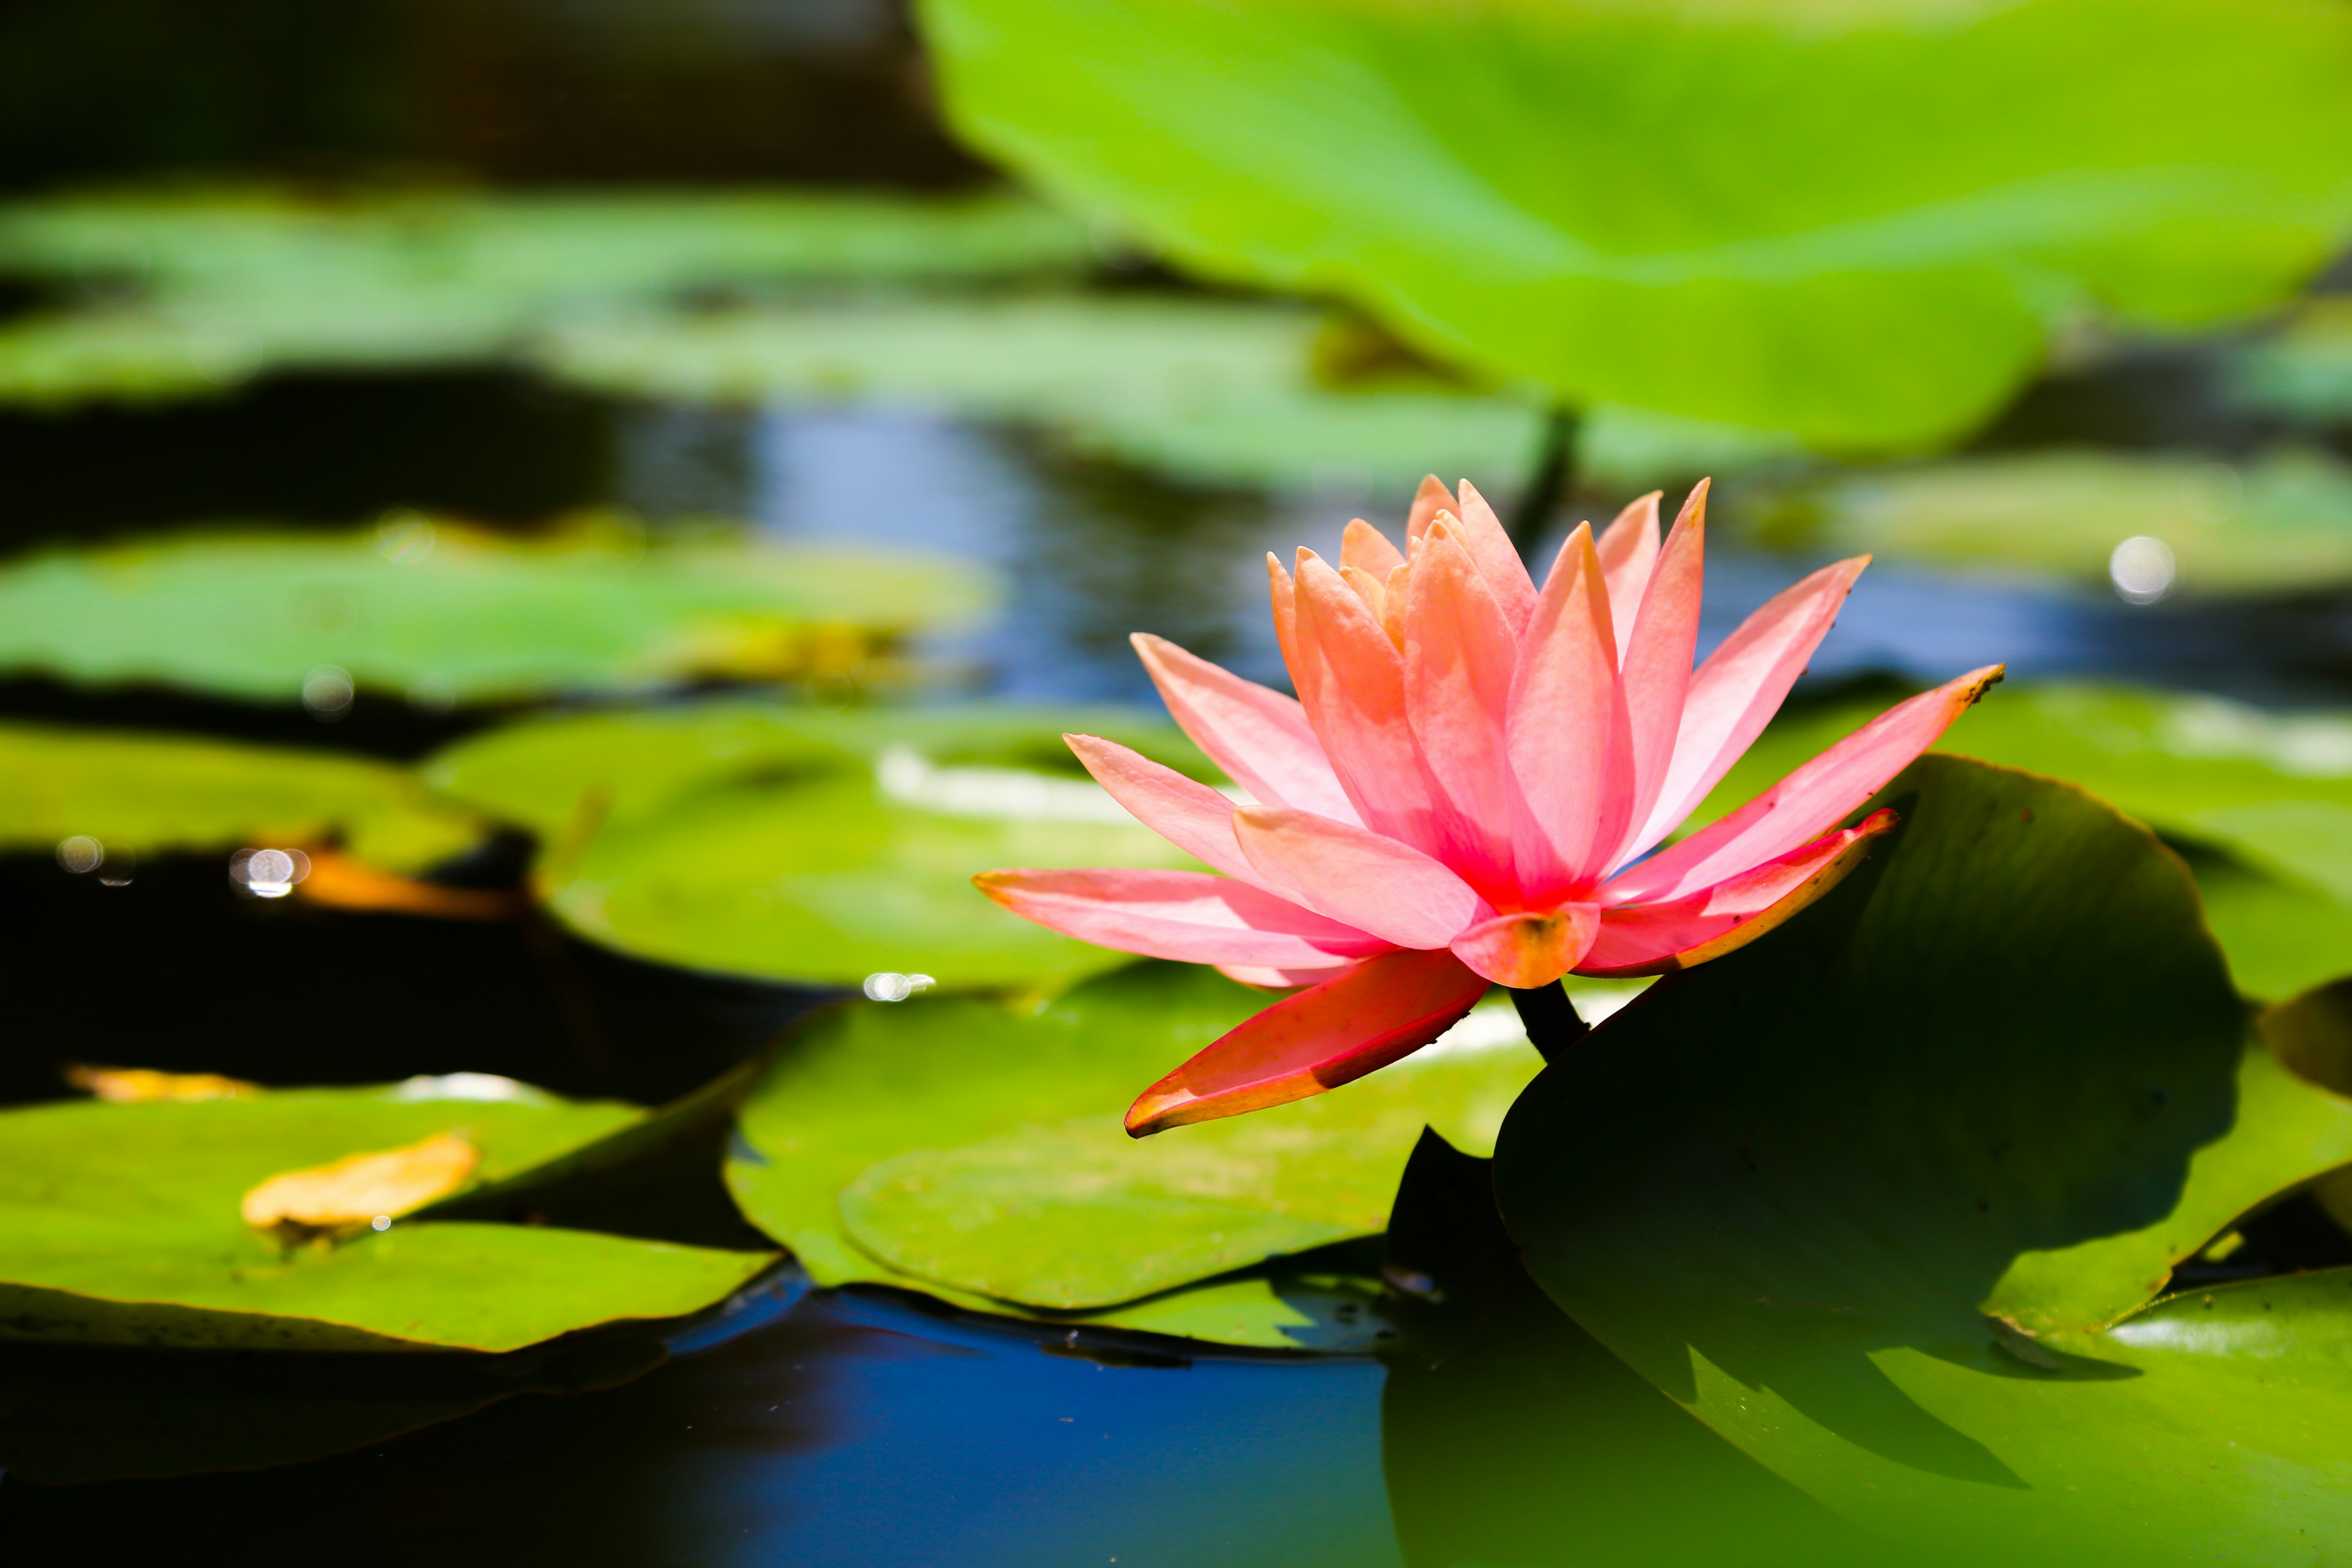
(854, 1431)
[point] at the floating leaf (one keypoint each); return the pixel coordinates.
(804, 845)
(444, 614)
(359, 1188)
(1752, 213)
(975, 1150)
(1872, 1196)
(2260, 804)
(2303, 372)
(2283, 521)
(120, 1224)
(1208, 390)
(139, 795)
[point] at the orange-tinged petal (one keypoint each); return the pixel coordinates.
(1282, 593)
(1629, 549)
(1364, 1018)
(1655, 939)
(1742, 684)
(1357, 876)
(1351, 683)
(1570, 737)
(1187, 916)
(1525, 951)
(1810, 800)
(1431, 499)
(1459, 659)
(1367, 549)
(1372, 590)
(1397, 601)
(1498, 559)
(1656, 669)
(1259, 737)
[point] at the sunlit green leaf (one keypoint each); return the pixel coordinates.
(146, 794)
(119, 1224)
(2282, 522)
(1854, 222)
(444, 615)
(804, 845)
(1870, 1195)
(2260, 804)
(975, 1150)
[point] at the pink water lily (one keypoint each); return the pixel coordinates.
(1466, 790)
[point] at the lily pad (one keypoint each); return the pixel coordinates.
(2303, 371)
(1601, 199)
(2260, 804)
(797, 844)
(147, 793)
(965, 1148)
(444, 615)
(1882, 1199)
(1210, 391)
(2282, 522)
(119, 1224)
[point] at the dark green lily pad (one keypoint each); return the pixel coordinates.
(148, 793)
(2305, 371)
(802, 845)
(1879, 1197)
(965, 1148)
(2282, 522)
(119, 1224)
(444, 615)
(2260, 804)
(1600, 199)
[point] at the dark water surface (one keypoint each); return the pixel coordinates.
(856, 1429)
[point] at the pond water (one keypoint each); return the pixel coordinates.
(858, 1428)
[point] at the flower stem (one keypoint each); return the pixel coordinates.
(1550, 1018)
(1552, 482)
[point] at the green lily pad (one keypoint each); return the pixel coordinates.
(2280, 521)
(2305, 371)
(231, 284)
(797, 844)
(445, 615)
(120, 1224)
(1208, 390)
(149, 793)
(1602, 198)
(936, 1145)
(1879, 1196)
(2260, 804)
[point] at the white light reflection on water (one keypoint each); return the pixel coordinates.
(268, 873)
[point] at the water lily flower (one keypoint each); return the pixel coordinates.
(1467, 791)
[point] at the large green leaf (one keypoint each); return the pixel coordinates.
(120, 1224)
(232, 283)
(805, 844)
(146, 794)
(2282, 522)
(1871, 1196)
(444, 615)
(1853, 222)
(975, 1150)
(2261, 804)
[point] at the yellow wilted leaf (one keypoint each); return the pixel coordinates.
(359, 1188)
(127, 1084)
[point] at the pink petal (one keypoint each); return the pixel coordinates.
(1628, 550)
(1570, 744)
(1498, 559)
(1431, 499)
(1185, 812)
(1284, 593)
(1657, 670)
(1652, 939)
(1459, 657)
(1351, 681)
(1525, 951)
(1364, 1018)
(1356, 877)
(1807, 801)
(1265, 979)
(1367, 549)
(1259, 737)
(1740, 686)
(1189, 916)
